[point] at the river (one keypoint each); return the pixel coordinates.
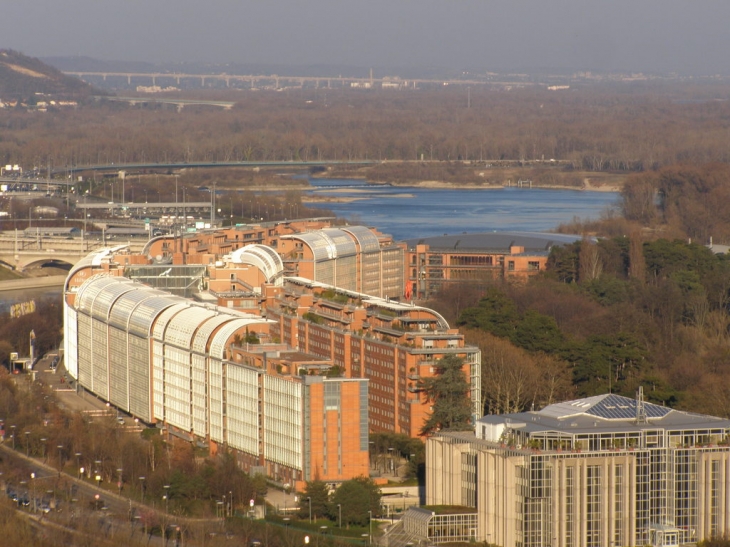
(408, 212)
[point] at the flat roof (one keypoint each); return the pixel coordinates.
(495, 241)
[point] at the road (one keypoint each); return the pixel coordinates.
(71, 500)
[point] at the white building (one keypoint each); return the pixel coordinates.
(595, 472)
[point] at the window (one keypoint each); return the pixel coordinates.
(533, 266)
(511, 265)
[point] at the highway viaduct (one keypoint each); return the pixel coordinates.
(21, 254)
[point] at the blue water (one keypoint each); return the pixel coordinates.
(436, 211)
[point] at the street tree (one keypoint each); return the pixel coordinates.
(354, 498)
(316, 495)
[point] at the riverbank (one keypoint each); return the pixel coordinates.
(370, 188)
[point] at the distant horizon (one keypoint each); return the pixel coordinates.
(354, 70)
(651, 36)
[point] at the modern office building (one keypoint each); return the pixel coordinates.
(216, 348)
(393, 344)
(594, 472)
(355, 258)
(433, 263)
(210, 375)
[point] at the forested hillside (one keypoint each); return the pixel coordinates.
(24, 78)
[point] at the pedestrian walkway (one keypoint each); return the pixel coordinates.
(396, 536)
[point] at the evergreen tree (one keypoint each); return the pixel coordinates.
(355, 498)
(318, 494)
(448, 391)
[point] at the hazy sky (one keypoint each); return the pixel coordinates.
(647, 35)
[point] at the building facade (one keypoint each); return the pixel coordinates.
(215, 348)
(210, 375)
(594, 472)
(394, 345)
(355, 258)
(435, 263)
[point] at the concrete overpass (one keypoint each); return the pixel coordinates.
(24, 253)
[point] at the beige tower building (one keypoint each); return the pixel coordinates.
(595, 472)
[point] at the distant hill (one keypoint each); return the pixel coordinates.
(22, 78)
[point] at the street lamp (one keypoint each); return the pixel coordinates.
(43, 447)
(119, 484)
(27, 443)
(60, 461)
(370, 527)
(309, 499)
(32, 482)
(230, 496)
(339, 514)
(78, 464)
(141, 486)
(167, 497)
(13, 435)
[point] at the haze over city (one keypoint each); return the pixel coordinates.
(649, 36)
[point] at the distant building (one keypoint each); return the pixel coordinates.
(594, 472)
(433, 263)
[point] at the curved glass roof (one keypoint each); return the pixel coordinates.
(323, 248)
(141, 320)
(108, 295)
(218, 344)
(126, 304)
(200, 342)
(164, 319)
(182, 327)
(88, 291)
(328, 244)
(263, 257)
(367, 240)
(343, 241)
(94, 258)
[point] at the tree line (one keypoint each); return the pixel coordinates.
(609, 315)
(597, 128)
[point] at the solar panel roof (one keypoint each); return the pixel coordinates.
(607, 407)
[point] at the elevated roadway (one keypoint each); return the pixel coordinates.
(177, 166)
(276, 81)
(24, 253)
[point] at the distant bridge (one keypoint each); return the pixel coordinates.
(276, 81)
(174, 166)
